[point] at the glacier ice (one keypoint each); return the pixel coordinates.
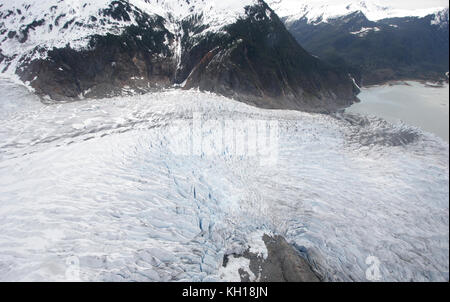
(94, 190)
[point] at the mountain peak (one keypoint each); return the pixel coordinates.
(323, 10)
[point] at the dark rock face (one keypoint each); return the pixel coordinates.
(255, 60)
(139, 59)
(402, 48)
(283, 264)
(259, 62)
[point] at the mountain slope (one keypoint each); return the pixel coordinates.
(236, 48)
(371, 44)
(259, 59)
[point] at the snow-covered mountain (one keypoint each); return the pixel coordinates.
(53, 23)
(316, 12)
(441, 18)
(374, 43)
(40, 26)
(71, 49)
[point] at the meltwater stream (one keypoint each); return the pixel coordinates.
(102, 185)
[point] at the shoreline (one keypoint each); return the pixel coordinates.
(404, 82)
(412, 102)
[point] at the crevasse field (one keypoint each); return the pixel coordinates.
(107, 188)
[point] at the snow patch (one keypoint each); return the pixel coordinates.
(230, 273)
(441, 18)
(365, 31)
(257, 245)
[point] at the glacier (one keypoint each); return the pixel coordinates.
(98, 190)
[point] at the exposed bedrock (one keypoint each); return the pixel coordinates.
(283, 263)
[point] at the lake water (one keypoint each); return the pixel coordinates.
(411, 102)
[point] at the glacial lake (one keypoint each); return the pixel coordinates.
(413, 103)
